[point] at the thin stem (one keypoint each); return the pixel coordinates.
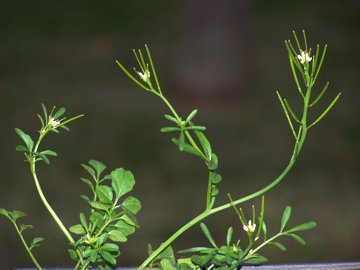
(41, 194)
(47, 205)
(209, 190)
(26, 246)
(266, 242)
(298, 145)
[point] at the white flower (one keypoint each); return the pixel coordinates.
(53, 122)
(144, 76)
(304, 57)
(250, 227)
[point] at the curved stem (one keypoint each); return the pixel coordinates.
(41, 193)
(298, 145)
(48, 207)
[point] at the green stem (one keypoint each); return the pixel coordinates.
(209, 190)
(266, 242)
(27, 247)
(41, 194)
(298, 145)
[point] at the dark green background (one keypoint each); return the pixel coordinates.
(225, 58)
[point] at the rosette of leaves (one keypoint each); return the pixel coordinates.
(231, 256)
(111, 219)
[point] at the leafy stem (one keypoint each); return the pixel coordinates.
(13, 216)
(301, 68)
(32, 161)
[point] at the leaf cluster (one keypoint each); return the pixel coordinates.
(112, 216)
(232, 255)
(50, 122)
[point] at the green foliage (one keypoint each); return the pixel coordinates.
(112, 215)
(232, 255)
(110, 220)
(191, 139)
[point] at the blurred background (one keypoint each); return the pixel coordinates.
(225, 58)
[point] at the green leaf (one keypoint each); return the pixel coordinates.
(200, 128)
(186, 147)
(285, 217)
(64, 127)
(204, 143)
(186, 261)
(149, 249)
(191, 116)
(264, 229)
(122, 181)
(86, 198)
(171, 118)
(104, 193)
(24, 227)
(117, 236)
(98, 166)
(4, 212)
(90, 170)
(88, 182)
(213, 163)
(129, 220)
(181, 141)
(126, 228)
(207, 233)
(298, 239)
(256, 260)
(21, 148)
(16, 214)
(49, 153)
(229, 236)
(73, 255)
(26, 138)
(216, 179)
(102, 238)
(214, 191)
(166, 265)
(108, 257)
(132, 204)
(303, 227)
(36, 242)
(110, 247)
(93, 255)
(279, 245)
(197, 249)
(41, 120)
(83, 221)
(167, 254)
(44, 158)
(169, 129)
(99, 205)
(59, 113)
(44, 111)
(97, 219)
(77, 229)
(201, 260)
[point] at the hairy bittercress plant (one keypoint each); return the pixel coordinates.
(191, 139)
(112, 214)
